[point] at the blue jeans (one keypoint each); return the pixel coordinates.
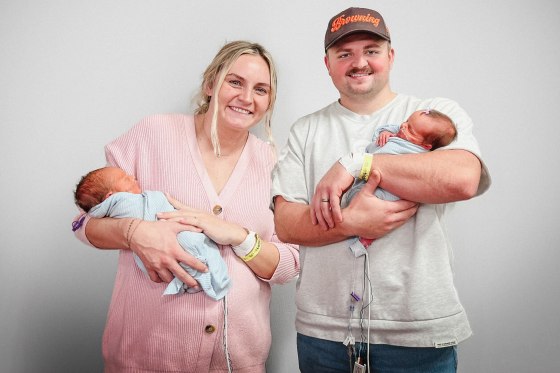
(321, 356)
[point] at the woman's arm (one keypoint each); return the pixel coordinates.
(154, 242)
(225, 233)
(266, 261)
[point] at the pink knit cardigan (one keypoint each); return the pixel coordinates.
(148, 332)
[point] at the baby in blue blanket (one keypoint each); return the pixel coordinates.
(423, 131)
(110, 192)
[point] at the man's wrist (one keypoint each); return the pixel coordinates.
(353, 163)
(366, 167)
(345, 227)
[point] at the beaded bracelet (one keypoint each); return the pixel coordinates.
(129, 236)
(128, 233)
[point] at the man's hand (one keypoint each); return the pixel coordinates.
(325, 204)
(370, 217)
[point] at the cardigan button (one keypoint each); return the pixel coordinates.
(209, 329)
(217, 210)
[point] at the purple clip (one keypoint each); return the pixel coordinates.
(78, 223)
(355, 296)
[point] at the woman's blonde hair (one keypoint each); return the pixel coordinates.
(214, 77)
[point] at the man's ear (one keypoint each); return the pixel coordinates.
(327, 63)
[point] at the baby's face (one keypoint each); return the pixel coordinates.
(122, 182)
(416, 128)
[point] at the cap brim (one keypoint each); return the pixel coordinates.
(351, 32)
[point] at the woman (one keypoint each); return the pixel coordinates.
(212, 164)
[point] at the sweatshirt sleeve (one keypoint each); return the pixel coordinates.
(288, 177)
(288, 266)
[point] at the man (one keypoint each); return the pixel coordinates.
(395, 307)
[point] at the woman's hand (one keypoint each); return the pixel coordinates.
(218, 230)
(157, 246)
(325, 204)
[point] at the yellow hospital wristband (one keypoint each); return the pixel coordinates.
(366, 167)
(256, 249)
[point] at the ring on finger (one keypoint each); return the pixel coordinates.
(324, 200)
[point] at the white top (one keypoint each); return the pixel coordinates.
(414, 301)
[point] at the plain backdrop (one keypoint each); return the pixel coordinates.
(76, 74)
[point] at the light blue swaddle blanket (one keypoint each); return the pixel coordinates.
(394, 145)
(215, 283)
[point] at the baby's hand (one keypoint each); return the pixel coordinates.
(384, 137)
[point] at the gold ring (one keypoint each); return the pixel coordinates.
(324, 200)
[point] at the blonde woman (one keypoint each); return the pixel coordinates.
(219, 175)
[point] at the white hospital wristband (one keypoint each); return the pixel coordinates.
(246, 246)
(353, 163)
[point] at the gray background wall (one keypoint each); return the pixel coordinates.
(75, 74)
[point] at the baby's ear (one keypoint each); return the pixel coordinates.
(427, 146)
(108, 195)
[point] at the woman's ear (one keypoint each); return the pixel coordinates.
(208, 91)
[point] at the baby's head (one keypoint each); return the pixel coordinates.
(430, 129)
(99, 184)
